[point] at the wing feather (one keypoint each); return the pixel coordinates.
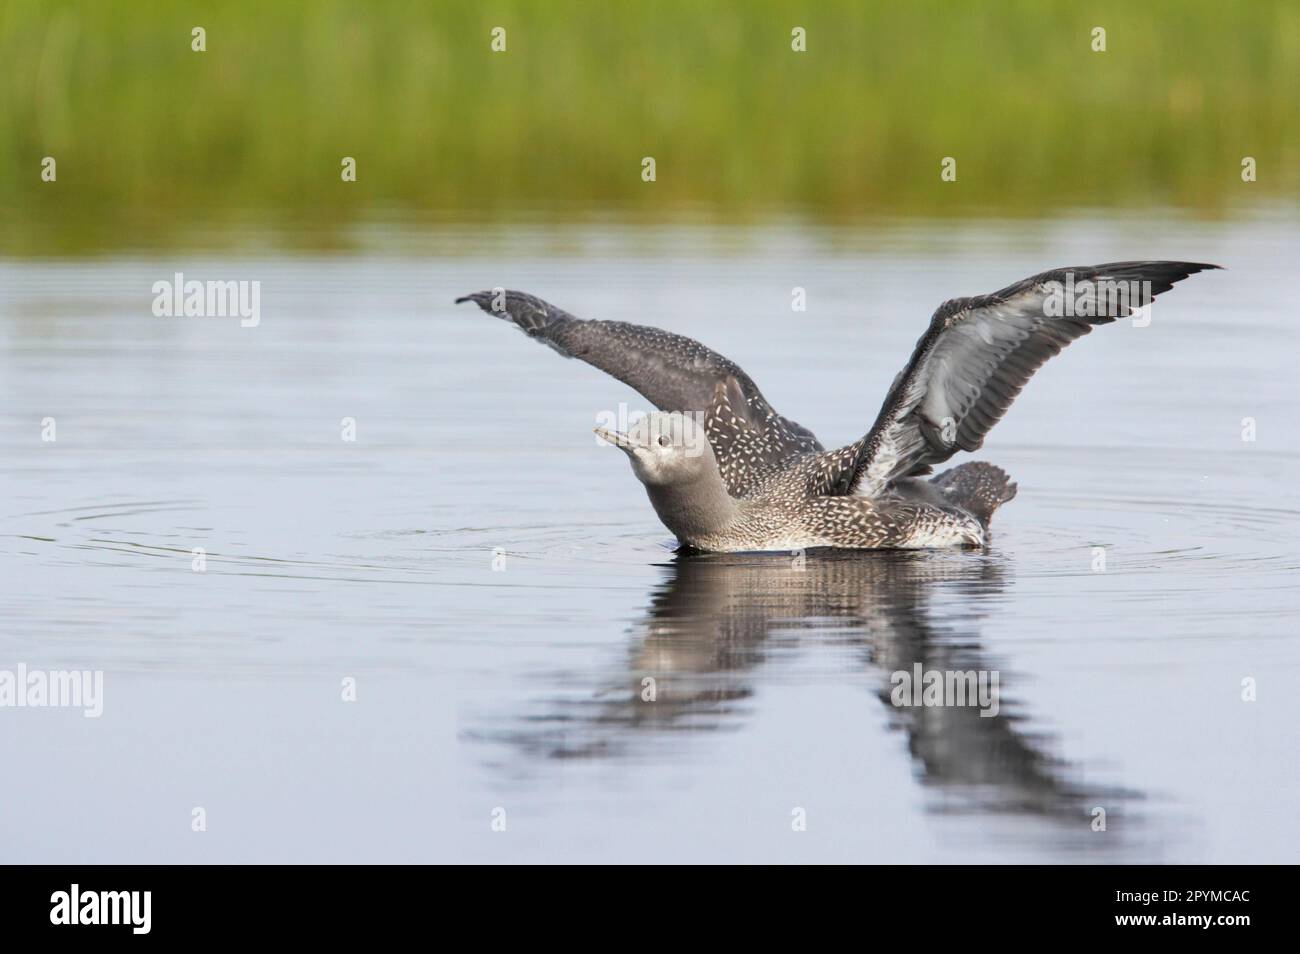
(977, 355)
(673, 372)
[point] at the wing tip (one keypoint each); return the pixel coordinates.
(1161, 274)
(1167, 274)
(529, 313)
(502, 303)
(1168, 266)
(1193, 267)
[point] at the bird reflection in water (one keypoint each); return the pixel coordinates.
(721, 624)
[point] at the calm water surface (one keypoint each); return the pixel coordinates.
(499, 589)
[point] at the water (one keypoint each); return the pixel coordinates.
(516, 693)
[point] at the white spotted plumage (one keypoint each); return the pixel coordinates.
(781, 488)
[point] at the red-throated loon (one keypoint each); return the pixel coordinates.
(725, 472)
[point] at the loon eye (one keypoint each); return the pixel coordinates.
(664, 440)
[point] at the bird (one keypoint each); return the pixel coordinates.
(726, 473)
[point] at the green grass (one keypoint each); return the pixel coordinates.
(156, 143)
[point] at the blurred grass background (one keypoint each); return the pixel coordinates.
(156, 143)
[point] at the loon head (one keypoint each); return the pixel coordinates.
(665, 448)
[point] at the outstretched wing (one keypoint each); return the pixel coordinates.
(976, 356)
(674, 373)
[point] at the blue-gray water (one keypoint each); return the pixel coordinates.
(498, 587)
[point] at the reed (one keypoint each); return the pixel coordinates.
(155, 143)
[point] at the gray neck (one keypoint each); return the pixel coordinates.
(696, 509)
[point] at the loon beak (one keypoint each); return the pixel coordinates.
(618, 439)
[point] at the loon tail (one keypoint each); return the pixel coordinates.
(976, 487)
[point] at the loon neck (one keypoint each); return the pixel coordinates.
(695, 509)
